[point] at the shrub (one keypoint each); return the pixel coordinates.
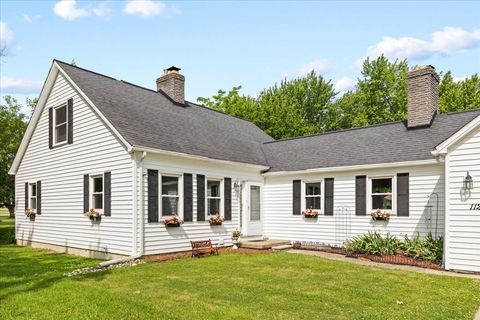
(428, 248)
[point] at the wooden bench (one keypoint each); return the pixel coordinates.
(201, 247)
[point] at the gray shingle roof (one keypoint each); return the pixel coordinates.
(386, 143)
(147, 118)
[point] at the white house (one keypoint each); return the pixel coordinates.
(138, 155)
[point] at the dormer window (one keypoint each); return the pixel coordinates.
(60, 122)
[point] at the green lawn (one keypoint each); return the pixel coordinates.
(270, 286)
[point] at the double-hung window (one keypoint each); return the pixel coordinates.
(97, 192)
(213, 197)
(382, 193)
(313, 195)
(170, 196)
(60, 123)
(33, 196)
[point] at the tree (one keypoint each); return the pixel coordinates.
(13, 124)
(461, 95)
(293, 108)
(380, 96)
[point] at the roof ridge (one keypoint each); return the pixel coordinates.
(87, 70)
(461, 111)
(338, 131)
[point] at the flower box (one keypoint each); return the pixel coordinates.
(172, 222)
(380, 215)
(31, 214)
(310, 213)
(215, 220)
(93, 215)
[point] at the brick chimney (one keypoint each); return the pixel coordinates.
(422, 96)
(172, 83)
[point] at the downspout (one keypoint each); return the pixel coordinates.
(135, 206)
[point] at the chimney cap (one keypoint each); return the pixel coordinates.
(172, 69)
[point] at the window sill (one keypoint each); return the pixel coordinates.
(59, 144)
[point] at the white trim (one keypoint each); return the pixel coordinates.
(354, 168)
(54, 124)
(90, 191)
(55, 69)
(195, 157)
(304, 194)
(442, 148)
(392, 211)
(179, 195)
(30, 196)
(446, 238)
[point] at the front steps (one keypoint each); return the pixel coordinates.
(263, 244)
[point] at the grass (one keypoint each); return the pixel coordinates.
(270, 286)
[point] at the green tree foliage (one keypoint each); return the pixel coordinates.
(380, 96)
(292, 108)
(13, 124)
(461, 95)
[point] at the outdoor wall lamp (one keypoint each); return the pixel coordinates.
(237, 186)
(468, 182)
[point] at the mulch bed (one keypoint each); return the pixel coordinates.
(390, 259)
(188, 254)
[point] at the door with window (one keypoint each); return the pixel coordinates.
(252, 212)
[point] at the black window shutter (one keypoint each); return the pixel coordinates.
(107, 193)
(228, 199)
(297, 195)
(200, 197)
(86, 194)
(329, 183)
(50, 128)
(26, 196)
(70, 120)
(361, 195)
(39, 197)
(187, 197)
(403, 195)
(152, 176)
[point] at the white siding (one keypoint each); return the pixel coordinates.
(94, 150)
(463, 235)
(158, 238)
(280, 223)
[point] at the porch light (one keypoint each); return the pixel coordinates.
(237, 186)
(468, 182)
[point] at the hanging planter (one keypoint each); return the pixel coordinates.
(215, 220)
(174, 221)
(380, 215)
(30, 214)
(93, 215)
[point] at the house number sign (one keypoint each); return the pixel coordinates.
(475, 206)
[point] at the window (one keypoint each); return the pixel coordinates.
(33, 196)
(254, 203)
(213, 197)
(169, 196)
(382, 194)
(97, 192)
(60, 122)
(313, 195)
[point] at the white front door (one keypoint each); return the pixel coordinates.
(252, 213)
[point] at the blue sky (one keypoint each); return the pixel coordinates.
(224, 44)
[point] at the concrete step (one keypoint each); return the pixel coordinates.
(282, 247)
(262, 244)
(252, 238)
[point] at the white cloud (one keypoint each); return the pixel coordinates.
(14, 86)
(319, 66)
(102, 10)
(344, 84)
(30, 18)
(459, 79)
(6, 36)
(145, 8)
(66, 9)
(449, 40)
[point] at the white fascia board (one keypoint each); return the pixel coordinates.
(196, 157)
(442, 148)
(358, 167)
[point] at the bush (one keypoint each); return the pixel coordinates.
(428, 248)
